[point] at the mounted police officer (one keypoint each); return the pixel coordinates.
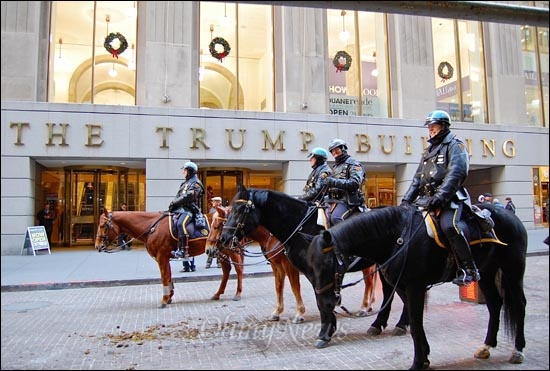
(315, 181)
(187, 203)
(344, 185)
(438, 183)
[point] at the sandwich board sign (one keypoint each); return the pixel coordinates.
(36, 239)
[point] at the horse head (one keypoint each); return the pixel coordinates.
(106, 231)
(242, 219)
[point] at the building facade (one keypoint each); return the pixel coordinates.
(103, 102)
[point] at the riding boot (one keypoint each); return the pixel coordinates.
(468, 271)
(180, 251)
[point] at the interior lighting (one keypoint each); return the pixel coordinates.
(344, 35)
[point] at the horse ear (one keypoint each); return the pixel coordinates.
(105, 211)
(241, 188)
(327, 237)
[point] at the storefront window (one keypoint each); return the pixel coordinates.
(458, 69)
(237, 72)
(358, 77)
(82, 69)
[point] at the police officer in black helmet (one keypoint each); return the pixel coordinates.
(344, 186)
(187, 203)
(438, 184)
(315, 181)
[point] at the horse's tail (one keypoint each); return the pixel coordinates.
(514, 303)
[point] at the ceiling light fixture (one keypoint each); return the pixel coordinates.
(344, 35)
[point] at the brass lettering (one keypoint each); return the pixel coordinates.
(279, 142)
(509, 148)
(488, 147)
(164, 135)
(307, 137)
(469, 146)
(382, 139)
(198, 137)
(408, 149)
(363, 145)
(51, 134)
(230, 138)
(19, 131)
(94, 133)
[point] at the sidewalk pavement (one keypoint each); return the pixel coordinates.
(85, 267)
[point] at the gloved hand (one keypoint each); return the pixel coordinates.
(171, 207)
(433, 203)
(405, 203)
(330, 182)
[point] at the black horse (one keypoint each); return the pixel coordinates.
(294, 222)
(396, 238)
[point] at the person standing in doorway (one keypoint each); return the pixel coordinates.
(45, 217)
(124, 242)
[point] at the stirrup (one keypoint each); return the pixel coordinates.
(466, 277)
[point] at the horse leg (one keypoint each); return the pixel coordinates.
(369, 277)
(226, 269)
(239, 268)
(381, 321)
(326, 302)
(279, 276)
(415, 297)
(166, 278)
(294, 278)
(401, 326)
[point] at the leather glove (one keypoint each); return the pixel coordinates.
(171, 207)
(405, 203)
(330, 182)
(433, 203)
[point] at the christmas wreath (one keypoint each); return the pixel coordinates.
(450, 71)
(336, 61)
(121, 48)
(226, 48)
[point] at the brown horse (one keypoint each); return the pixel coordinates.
(154, 230)
(216, 220)
(273, 251)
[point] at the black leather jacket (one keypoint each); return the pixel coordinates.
(188, 197)
(441, 172)
(349, 175)
(315, 181)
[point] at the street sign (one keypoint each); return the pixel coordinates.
(36, 239)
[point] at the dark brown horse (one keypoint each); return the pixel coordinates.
(154, 230)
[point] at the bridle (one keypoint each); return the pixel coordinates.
(105, 242)
(249, 206)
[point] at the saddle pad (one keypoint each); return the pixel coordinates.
(433, 232)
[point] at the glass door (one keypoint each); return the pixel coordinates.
(90, 190)
(221, 184)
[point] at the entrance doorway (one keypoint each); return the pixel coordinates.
(89, 192)
(221, 184)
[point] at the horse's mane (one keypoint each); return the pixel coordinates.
(376, 224)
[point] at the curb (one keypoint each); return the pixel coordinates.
(125, 282)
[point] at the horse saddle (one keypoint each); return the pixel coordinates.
(200, 223)
(476, 233)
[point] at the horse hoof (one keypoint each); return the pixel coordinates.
(362, 313)
(236, 298)
(215, 297)
(163, 305)
(374, 331)
(274, 318)
(170, 301)
(517, 357)
(482, 352)
(298, 319)
(399, 331)
(321, 344)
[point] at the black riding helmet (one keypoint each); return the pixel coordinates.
(438, 117)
